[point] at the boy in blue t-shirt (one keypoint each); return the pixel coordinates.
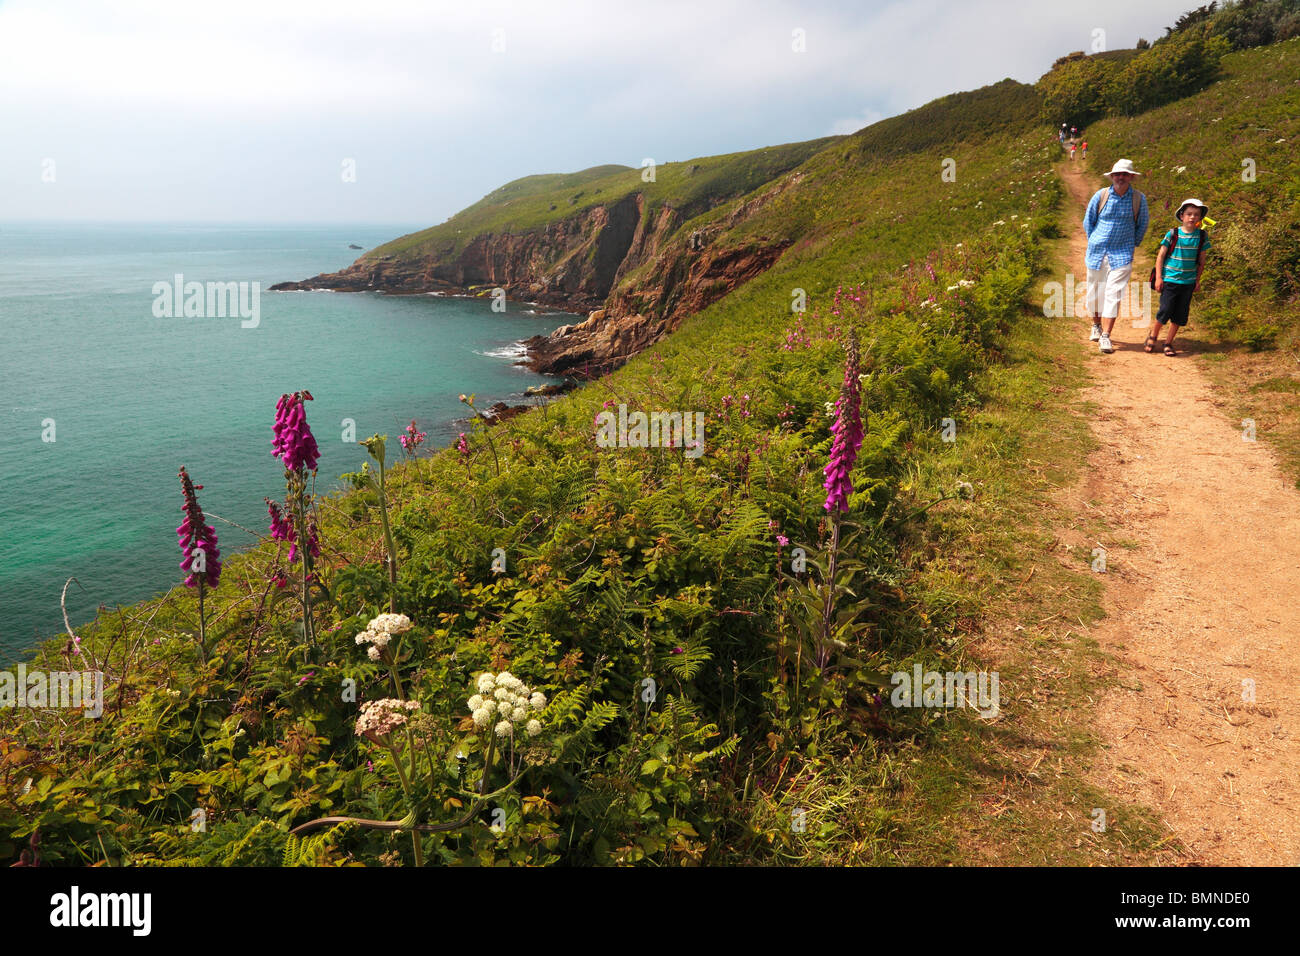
(1178, 271)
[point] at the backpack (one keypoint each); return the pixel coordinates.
(1200, 244)
(1137, 206)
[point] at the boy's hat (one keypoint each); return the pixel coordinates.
(1191, 202)
(1122, 166)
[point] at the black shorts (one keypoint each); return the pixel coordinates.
(1175, 301)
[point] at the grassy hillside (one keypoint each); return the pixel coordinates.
(529, 203)
(818, 202)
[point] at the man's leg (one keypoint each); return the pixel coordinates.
(1116, 287)
(1096, 285)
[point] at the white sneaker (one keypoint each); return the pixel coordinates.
(1105, 343)
(1096, 333)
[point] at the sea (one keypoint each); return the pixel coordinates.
(108, 387)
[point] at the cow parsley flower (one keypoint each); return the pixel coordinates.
(534, 727)
(379, 718)
(391, 623)
(506, 696)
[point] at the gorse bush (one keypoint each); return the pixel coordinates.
(1184, 64)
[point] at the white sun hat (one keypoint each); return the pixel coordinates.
(1191, 202)
(1123, 166)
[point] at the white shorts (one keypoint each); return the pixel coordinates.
(1108, 285)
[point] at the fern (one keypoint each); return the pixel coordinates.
(307, 852)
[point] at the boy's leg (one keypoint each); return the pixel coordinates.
(1153, 337)
(1179, 306)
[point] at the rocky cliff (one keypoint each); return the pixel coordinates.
(636, 263)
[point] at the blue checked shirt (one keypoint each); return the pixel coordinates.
(1111, 232)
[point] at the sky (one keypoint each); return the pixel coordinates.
(406, 111)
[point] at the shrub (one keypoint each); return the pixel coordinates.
(1173, 68)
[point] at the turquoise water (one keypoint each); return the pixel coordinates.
(134, 396)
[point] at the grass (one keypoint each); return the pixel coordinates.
(536, 201)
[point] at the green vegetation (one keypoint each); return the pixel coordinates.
(1081, 89)
(532, 202)
(1005, 107)
(623, 565)
(668, 607)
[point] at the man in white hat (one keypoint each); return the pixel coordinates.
(1116, 221)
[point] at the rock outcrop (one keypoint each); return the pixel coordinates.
(632, 269)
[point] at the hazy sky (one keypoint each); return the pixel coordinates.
(251, 109)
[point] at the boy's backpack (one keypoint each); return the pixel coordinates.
(1200, 244)
(1137, 205)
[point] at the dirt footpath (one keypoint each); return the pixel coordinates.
(1202, 575)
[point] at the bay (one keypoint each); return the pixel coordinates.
(128, 396)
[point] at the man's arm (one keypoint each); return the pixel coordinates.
(1144, 220)
(1090, 217)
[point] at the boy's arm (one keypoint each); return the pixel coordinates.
(1144, 220)
(1200, 266)
(1161, 256)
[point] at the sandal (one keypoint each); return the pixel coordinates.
(1169, 350)
(1151, 344)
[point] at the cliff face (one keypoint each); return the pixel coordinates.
(570, 263)
(631, 268)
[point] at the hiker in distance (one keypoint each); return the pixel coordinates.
(1178, 271)
(1116, 221)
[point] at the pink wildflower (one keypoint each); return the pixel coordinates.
(412, 438)
(848, 434)
(293, 441)
(196, 536)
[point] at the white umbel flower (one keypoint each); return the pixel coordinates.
(485, 683)
(537, 701)
(504, 728)
(391, 623)
(534, 727)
